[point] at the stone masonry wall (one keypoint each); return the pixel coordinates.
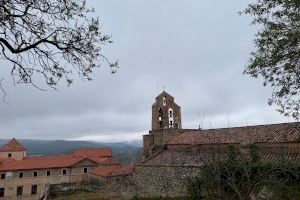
(163, 180)
(167, 173)
(147, 181)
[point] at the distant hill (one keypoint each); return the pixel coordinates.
(125, 152)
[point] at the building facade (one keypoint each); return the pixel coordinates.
(28, 177)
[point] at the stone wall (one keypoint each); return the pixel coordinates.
(167, 172)
(146, 181)
(163, 180)
(148, 141)
(157, 139)
(55, 190)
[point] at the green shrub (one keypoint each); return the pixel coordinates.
(237, 178)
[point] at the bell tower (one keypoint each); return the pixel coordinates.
(166, 124)
(166, 113)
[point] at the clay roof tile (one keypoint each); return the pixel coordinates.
(93, 152)
(271, 133)
(12, 145)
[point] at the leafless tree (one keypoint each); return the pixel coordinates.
(51, 40)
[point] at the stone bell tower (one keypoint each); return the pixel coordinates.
(166, 113)
(166, 124)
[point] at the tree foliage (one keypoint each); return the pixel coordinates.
(51, 39)
(239, 178)
(277, 55)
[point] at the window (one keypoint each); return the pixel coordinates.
(164, 101)
(35, 174)
(9, 155)
(171, 113)
(64, 171)
(1, 192)
(160, 113)
(171, 124)
(21, 175)
(171, 118)
(85, 170)
(48, 173)
(33, 189)
(19, 190)
(160, 124)
(2, 176)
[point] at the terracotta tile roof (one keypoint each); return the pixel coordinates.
(47, 162)
(42, 162)
(12, 145)
(93, 152)
(272, 133)
(114, 170)
(106, 161)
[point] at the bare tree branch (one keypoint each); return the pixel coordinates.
(50, 40)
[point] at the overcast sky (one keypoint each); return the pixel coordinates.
(195, 49)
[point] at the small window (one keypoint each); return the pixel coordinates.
(9, 155)
(160, 112)
(2, 176)
(2, 192)
(64, 171)
(19, 190)
(85, 170)
(33, 189)
(164, 101)
(48, 173)
(35, 174)
(21, 175)
(171, 125)
(160, 124)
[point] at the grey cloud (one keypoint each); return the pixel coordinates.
(196, 49)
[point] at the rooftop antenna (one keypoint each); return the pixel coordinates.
(228, 121)
(164, 88)
(210, 125)
(200, 119)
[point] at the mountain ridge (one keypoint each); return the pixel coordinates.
(124, 152)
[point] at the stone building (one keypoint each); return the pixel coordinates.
(162, 140)
(173, 154)
(28, 177)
